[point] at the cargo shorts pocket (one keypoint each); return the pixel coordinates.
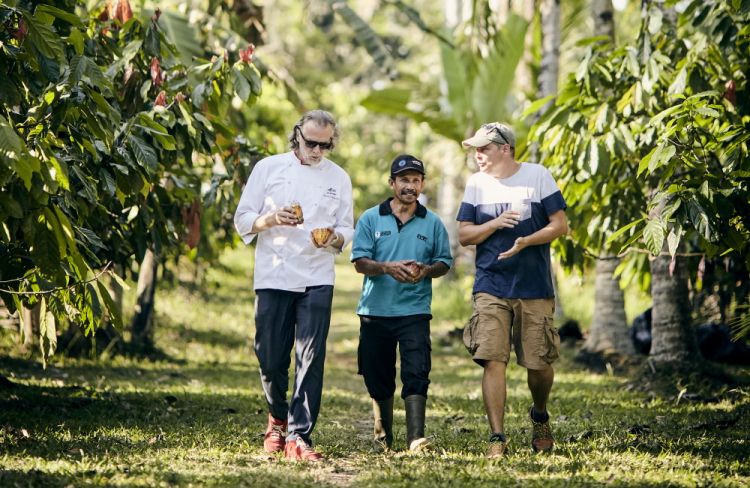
(470, 333)
(551, 341)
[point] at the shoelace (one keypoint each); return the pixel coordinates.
(542, 431)
(305, 448)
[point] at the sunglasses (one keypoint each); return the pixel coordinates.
(496, 130)
(324, 146)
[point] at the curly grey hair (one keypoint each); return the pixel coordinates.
(321, 118)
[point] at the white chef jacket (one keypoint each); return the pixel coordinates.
(285, 258)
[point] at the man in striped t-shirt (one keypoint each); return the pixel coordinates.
(511, 211)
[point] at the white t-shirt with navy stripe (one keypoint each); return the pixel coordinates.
(533, 192)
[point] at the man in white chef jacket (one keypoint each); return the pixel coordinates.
(294, 275)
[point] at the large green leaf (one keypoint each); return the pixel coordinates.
(456, 80)
(183, 35)
(700, 219)
(494, 79)
(44, 246)
(11, 144)
(47, 333)
(83, 68)
(44, 38)
(241, 85)
(366, 36)
(395, 101)
(653, 235)
(251, 74)
(144, 152)
(68, 17)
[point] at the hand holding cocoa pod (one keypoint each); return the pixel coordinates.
(321, 235)
(297, 211)
(415, 269)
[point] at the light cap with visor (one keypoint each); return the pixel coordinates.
(492, 132)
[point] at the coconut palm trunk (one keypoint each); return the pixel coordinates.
(550, 63)
(549, 68)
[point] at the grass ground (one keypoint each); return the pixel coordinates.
(196, 419)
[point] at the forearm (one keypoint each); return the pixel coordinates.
(264, 222)
(369, 267)
(472, 234)
(546, 234)
(437, 269)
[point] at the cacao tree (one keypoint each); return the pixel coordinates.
(650, 143)
(106, 136)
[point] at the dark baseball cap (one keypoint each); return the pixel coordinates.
(406, 162)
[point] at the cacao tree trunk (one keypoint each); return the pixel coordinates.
(30, 325)
(142, 337)
(672, 335)
(609, 327)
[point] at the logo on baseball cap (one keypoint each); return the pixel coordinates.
(406, 162)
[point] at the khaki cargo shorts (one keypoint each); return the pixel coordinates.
(528, 323)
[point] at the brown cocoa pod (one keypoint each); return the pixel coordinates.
(321, 235)
(297, 210)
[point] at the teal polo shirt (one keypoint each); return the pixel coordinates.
(380, 236)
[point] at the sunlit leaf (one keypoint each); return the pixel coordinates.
(653, 235)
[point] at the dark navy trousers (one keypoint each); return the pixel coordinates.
(284, 319)
(378, 338)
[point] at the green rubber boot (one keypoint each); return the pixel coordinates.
(383, 413)
(415, 413)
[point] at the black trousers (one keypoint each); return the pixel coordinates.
(283, 319)
(378, 338)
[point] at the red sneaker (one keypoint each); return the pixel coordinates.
(275, 435)
(299, 450)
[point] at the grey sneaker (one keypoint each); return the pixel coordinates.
(498, 446)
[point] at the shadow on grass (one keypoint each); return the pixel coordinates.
(156, 375)
(214, 337)
(103, 414)
(251, 478)
(213, 292)
(59, 422)
(32, 478)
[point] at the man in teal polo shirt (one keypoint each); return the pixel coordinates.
(399, 246)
